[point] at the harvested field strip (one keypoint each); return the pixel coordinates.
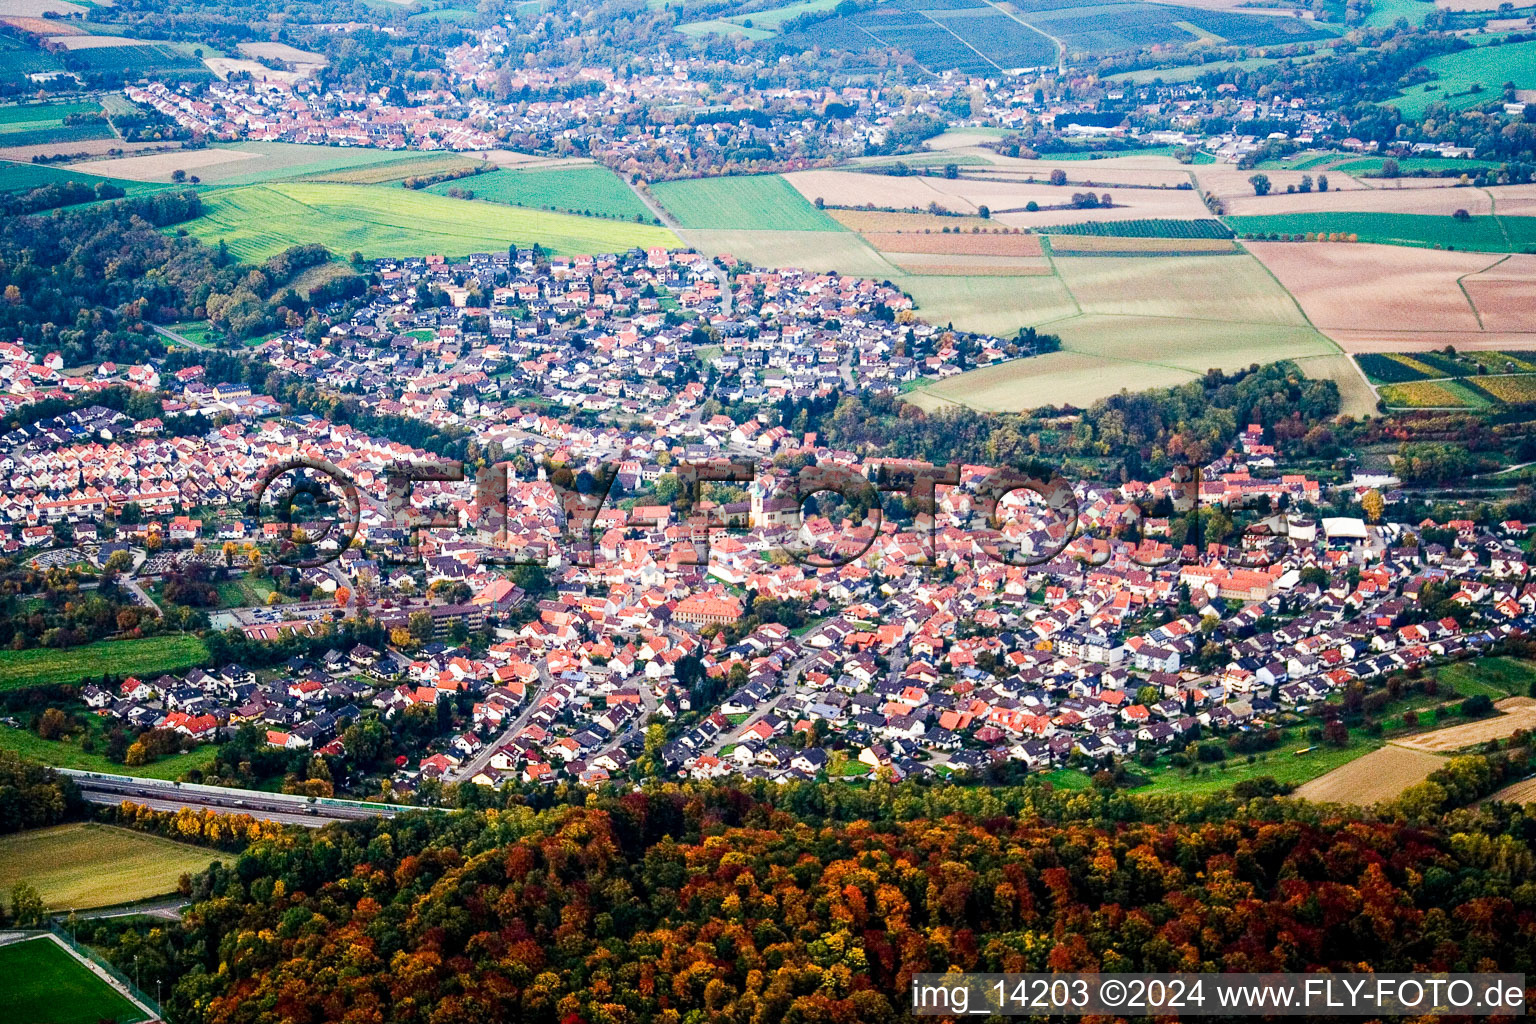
(1380, 775)
(1518, 713)
(398, 170)
(1107, 245)
(969, 243)
(1517, 793)
(988, 266)
(891, 221)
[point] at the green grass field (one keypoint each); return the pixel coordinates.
(590, 190)
(66, 753)
(1485, 68)
(84, 865)
(1496, 677)
(760, 202)
(30, 117)
(243, 592)
(1371, 165)
(148, 655)
(45, 985)
(1280, 764)
(1480, 234)
(1384, 13)
(380, 221)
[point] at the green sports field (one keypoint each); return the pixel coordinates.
(45, 985)
(753, 202)
(589, 190)
(85, 865)
(1480, 234)
(382, 221)
(148, 655)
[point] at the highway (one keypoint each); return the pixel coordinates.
(170, 796)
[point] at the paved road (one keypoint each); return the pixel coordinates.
(727, 299)
(180, 340)
(787, 683)
(139, 594)
(482, 760)
(291, 810)
(169, 909)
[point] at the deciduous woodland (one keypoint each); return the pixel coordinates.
(819, 903)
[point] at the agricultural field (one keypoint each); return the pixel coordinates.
(138, 59)
(1504, 294)
(85, 865)
(1053, 379)
(1210, 228)
(1496, 677)
(415, 165)
(148, 655)
(1471, 77)
(34, 123)
(1384, 13)
(1477, 233)
(967, 265)
(1009, 190)
(1423, 394)
(1518, 793)
(1282, 764)
(758, 202)
(1190, 72)
(249, 163)
(724, 27)
(587, 189)
(957, 244)
(1357, 295)
(1427, 197)
(881, 221)
(1133, 323)
(44, 984)
(820, 251)
(260, 221)
(968, 35)
(1382, 774)
(1511, 390)
(15, 177)
(1111, 245)
(1516, 713)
